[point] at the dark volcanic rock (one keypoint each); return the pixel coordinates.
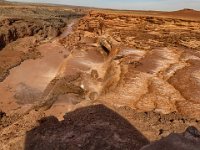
(189, 140)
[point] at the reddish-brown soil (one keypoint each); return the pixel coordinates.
(112, 80)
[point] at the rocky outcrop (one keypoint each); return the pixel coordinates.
(145, 67)
(93, 127)
(13, 29)
(148, 65)
(27, 28)
(189, 140)
(23, 22)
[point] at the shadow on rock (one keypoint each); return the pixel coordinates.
(189, 140)
(91, 128)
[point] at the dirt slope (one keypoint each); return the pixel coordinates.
(185, 14)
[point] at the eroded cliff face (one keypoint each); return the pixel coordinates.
(13, 29)
(23, 21)
(144, 68)
(22, 29)
(19, 37)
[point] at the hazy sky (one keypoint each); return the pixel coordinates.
(128, 4)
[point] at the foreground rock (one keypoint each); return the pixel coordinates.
(189, 140)
(93, 127)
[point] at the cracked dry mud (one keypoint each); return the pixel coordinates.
(143, 66)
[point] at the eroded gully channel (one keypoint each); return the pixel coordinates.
(26, 82)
